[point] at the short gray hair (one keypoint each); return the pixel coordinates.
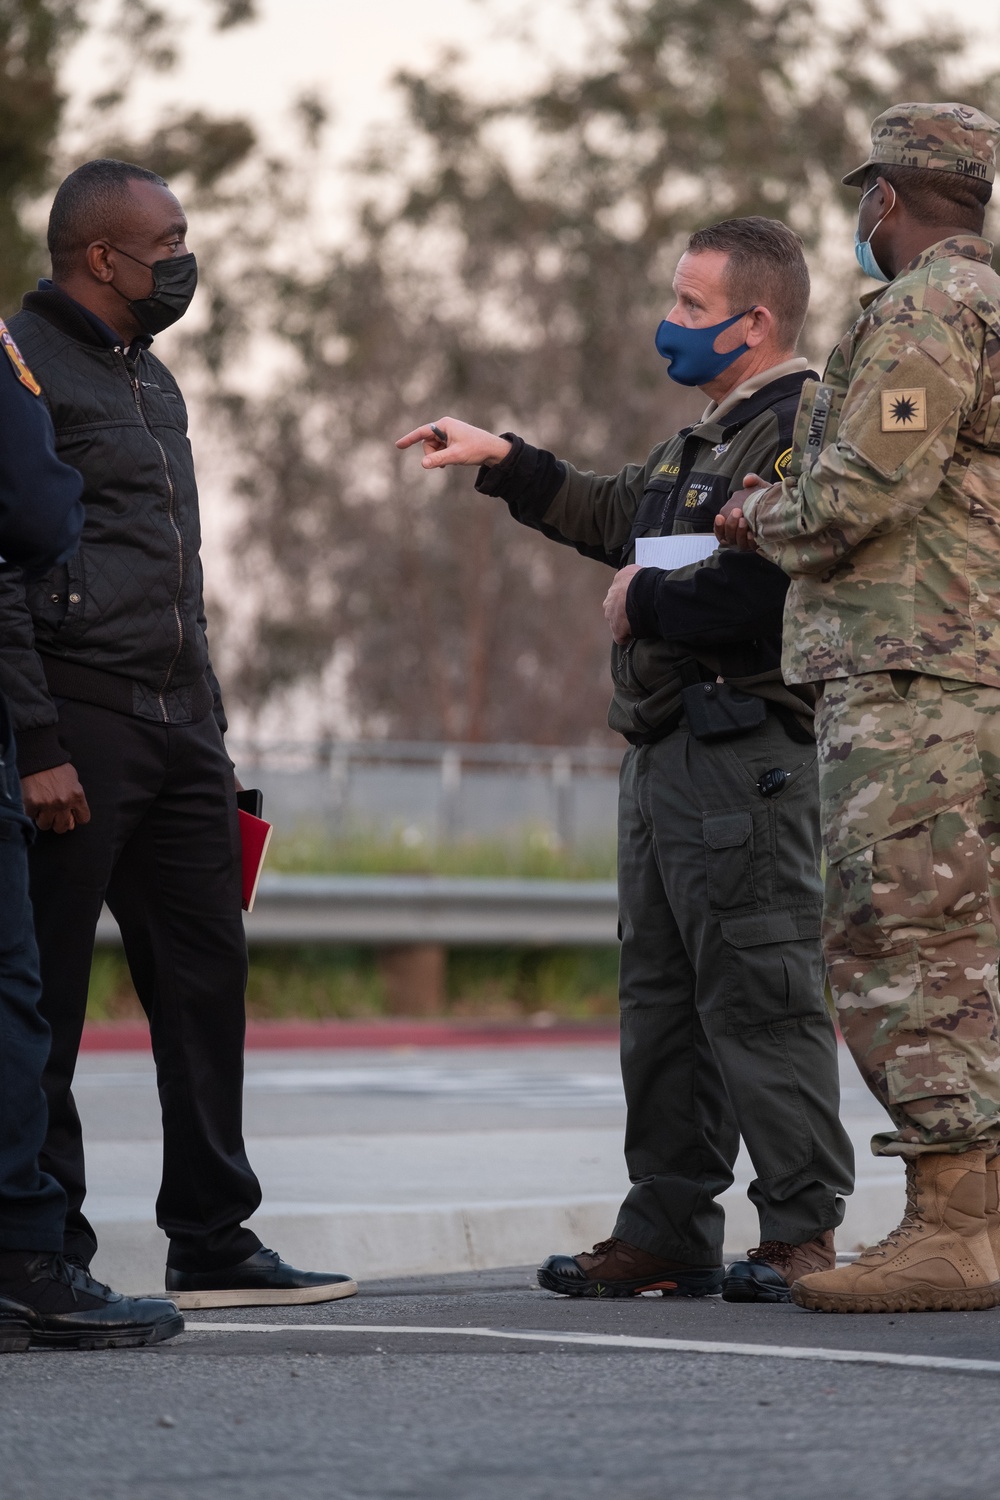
(766, 268)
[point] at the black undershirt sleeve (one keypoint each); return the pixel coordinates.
(735, 596)
(528, 479)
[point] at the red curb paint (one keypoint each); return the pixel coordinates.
(133, 1036)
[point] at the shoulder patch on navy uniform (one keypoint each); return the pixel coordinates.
(904, 411)
(781, 463)
(21, 370)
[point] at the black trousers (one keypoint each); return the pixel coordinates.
(724, 1028)
(162, 848)
(32, 1204)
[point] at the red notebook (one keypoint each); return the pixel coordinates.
(256, 835)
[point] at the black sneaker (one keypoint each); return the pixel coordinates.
(47, 1304)
(262, 1280)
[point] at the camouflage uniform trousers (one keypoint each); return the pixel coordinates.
(910, 807)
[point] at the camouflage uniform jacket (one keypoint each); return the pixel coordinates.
(892, 538)
(719, 613)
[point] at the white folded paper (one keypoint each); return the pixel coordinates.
(673, 551)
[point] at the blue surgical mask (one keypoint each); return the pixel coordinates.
(863, 251)
(691, 351)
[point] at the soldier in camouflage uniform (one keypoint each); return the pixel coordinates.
(889, 526)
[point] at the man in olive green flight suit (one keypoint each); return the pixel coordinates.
(724, 1027)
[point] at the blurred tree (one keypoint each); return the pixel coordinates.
(508, 263)
(34, 36)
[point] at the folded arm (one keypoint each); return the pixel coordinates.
(896, 439)
(731, 597)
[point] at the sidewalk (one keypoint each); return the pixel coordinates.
(406, 1161)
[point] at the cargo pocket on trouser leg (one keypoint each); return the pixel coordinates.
(774, 968)
(911, 947)
(729, 859)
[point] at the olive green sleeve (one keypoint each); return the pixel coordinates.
(595, 512)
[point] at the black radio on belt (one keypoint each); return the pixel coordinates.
(717, 711)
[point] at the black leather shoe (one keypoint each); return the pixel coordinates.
(262, 1280)
(754, 1281)
(47, 1304)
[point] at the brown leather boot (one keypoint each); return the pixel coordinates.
(615, 1269)
(768, 1272)
(993, 1205)
(938, 1260)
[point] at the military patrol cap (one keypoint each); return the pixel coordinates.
(934, 137)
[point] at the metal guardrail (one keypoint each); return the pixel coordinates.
(397, 910)
(437, 792)
(332, 755)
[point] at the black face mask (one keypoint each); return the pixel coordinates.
(174, 283)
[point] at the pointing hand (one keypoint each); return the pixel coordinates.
(449, 441)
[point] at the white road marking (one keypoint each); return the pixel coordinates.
(623, 1341)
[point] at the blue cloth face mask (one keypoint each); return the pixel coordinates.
(864, 254)
(691, 351)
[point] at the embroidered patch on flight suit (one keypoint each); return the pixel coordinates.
(21, 370)
(781, 463)
(904, 411)
(706, 494)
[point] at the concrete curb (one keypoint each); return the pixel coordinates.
(376, 1241)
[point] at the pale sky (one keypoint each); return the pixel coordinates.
(345, 51)
(348, 51)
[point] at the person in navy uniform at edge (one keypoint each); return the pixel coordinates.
(44, 1302)
(724, 1027)
(120, 726)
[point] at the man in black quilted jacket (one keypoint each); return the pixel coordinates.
(120, 729)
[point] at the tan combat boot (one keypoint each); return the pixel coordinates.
(938, 1260)
(993, 1205)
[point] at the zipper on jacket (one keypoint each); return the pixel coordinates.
(134, 382)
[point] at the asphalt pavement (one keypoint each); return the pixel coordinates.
(481, 1387)
(477, 1385)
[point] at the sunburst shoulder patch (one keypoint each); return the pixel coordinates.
(904, 411)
